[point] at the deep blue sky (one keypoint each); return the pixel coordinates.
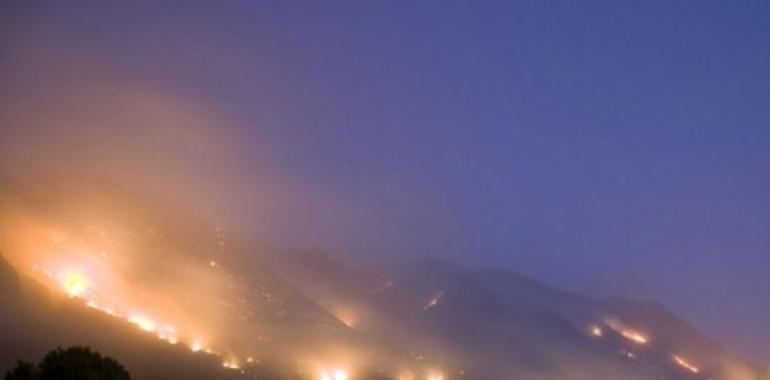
(604, 147)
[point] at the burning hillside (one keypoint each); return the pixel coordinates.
(144, 265)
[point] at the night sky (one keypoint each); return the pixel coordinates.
(606, 148)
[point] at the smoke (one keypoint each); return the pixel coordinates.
(134, 195)
(143, 108)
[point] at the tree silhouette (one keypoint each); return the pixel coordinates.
(23, 371)
(74, 363)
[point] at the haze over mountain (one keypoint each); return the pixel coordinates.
(94, 263)
(354, 190)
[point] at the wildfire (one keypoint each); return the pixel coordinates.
(596, 331)
(334, 374)
(143, 322)
(634, 336)
(685, 364)
(75, 284)
(232, 364)
(626, 332)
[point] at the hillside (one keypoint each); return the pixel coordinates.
(142, 280)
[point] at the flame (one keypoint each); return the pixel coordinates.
(634, 336)
(626, 332)
(596, 331)
(232, 364)
(333, 374)
(685, 364)
(143, 322)
(75, 284)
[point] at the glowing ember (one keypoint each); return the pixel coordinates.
(231, 364)
(143, 322)
(340, 374)
(434, 301)
(75, 284)
(627, 333)
(335, 374)
(634, 336)
(685, 364)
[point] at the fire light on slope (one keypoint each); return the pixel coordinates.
(143, 322)
(174, 292)
(628, 333)
(74, 284)
(333, 374)
(685, 364)
(231, 364)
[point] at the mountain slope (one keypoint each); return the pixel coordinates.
(500, 324)
(144, 281)
(32, 325)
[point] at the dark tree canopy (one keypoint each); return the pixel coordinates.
(22, 371)
(74, 363)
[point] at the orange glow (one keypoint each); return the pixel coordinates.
(634, 336)
(168, 334)
(75, 284)
(346, 316)
(685, 364)
(596, 331)
(630, 334)
(143, 322)
(232, 364)
(333, 374)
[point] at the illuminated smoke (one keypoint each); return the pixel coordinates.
(624, 331)
(685, 364)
